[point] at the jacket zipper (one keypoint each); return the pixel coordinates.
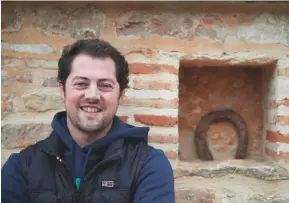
(109, 159)
(80, 196)
(66, 174)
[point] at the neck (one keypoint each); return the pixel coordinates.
(85, 138)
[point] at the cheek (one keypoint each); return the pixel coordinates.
(111, 100)
(72, 98)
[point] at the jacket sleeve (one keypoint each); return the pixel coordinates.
(13, 184)
(156, 181)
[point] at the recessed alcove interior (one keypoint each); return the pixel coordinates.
(238, 83)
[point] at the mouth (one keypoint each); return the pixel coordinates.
(89, 109)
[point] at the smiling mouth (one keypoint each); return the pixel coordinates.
(90, 109)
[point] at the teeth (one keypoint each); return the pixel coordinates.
(90, 109)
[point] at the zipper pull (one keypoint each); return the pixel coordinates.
(77, 183)
(59, 159)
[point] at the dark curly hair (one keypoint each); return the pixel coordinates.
(95, 48)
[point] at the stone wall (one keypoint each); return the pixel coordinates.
(159, 40)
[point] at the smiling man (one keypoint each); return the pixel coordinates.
(90, 156)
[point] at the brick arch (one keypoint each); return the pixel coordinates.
(202, 149)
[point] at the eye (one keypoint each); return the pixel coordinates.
(80, 85)
(105, 87)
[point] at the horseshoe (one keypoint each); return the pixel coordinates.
(235, 119)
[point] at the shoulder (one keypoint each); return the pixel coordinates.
(12, 167)
(29, 151)
(149, 159)
(14, 182)
(16, 159)
(24, 158)
(156, 181)
(157, 160)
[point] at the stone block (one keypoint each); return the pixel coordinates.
(279, 200)
(13, 19)
(212, 27)
(12, 62)
(22, 135)
(32, 48)
(3, 76)
(230, 189)
(50, 82)
(43, 101)
(251, 169)
(80, 23)
(195, 196)
(37, 63)
(266, 28)
(166, 24)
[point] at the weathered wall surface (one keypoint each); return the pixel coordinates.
(157, 39)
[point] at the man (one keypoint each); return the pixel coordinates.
(91, 156)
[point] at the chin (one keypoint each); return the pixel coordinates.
(90, 127)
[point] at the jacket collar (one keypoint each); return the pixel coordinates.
(54, 146)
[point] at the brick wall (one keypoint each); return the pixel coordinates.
(157, 40)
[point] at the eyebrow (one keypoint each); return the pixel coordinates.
(85, 78)
(106, 79)
(79, 78)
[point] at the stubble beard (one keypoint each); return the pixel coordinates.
(88, 125)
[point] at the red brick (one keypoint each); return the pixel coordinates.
(171, 154)
(210, 20)
(155, 103)
(24, 78)
(154, 85)
(277, 156)
(123, 118)
(144, 68)
(163, 139)
(275, 104)
(283, 72)
(284, 102)
(277, 137)
(156, 120)
(6, 104)
(283, 120)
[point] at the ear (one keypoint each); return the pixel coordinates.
(61, 90)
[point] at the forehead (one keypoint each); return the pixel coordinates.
(93, 68)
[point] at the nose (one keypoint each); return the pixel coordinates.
(92, 93)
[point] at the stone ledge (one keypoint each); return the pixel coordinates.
(230, 189)
(249, 168)
(248, 59)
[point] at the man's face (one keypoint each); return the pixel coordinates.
(91, 94)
